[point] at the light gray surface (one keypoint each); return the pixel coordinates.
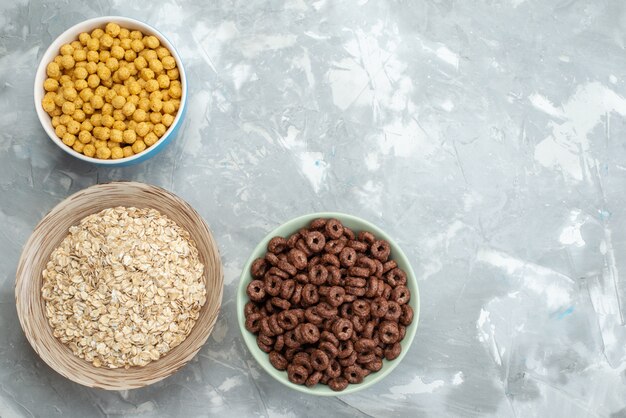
(487, 137)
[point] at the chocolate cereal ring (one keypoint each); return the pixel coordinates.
(334, 228)
(334, 246)
(389, 265)
(288, 320)
(315, 241)
(334, 369)
(361, 308)
(259, 267)
(312, 316)
(314, 379)
(394, 311)
(364, 358)
(287, 288)
(338, 384)
(281, 303)
(293, 238)
(309, 294)
(297, 374)
(278, 360)
(371, 287)
(277, 245)
(392, 352)
(356, 281)
(379, 307)
(319, 360)
(273, 323)
(250, 308)
(303, 359)
(256, 290)
(407, 315)
(301, 245)
(318, 223)
(401, 294)
(330, 337)
(271, 258)
(396, 277)
(329, 349)
(297, 294)
(359, 271)
(297, 258)
(279, 344)
(253, 322)
(342, 329)
(379, 268)
(358, 246)
(335, 296)
(348, 361)
(353, 374)
(273, 285)
(374, 365)
(380, 250)
(358, 323)
(277, 272)
(388, 332)
(368, 263)
(310, 333)
(331, 259)
(334, 278)
(318, 275)
(287, 267)
(356, 291)
(347, 257)
(290, 339)
(348, 233)
(326, 311)
(345, 349)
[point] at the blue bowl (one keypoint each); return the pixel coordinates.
(72, 34)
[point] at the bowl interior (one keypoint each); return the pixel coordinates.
(71, 35)
(48, 235)
(357, 225)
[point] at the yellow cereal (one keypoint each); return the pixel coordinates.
(58, 99)
(109, 95)
(80, 73)
(83, 38)
(79, 115)
(89, 150)
(152, 85)
(91, 67)
(67, 62)
(112, 29)
(99, 143)
(128, 109)
(142, 129)
(156, 105)
(101, 91)
(146, 74)
(136, 35)
(128, 151)
(93, 44)
(140, 63)
(150, 139)
(173, 74)
(107, 121)
(68, 108)
(125, 43)
(117, 153)
(134, 88)
(96, 101)
(88, 108)
(155, 117)
(60, 130)
(106, 41)
(93, 56)
(78, 146)
(73, 127)
(103, 72)
(66, 49)
(159, 129)
(55, 121)
(50, 84)
(162, 52)
(119, 125)
(116, 135)
(144, 104)
(86, 126)
(70, 93)
(130, 55)
(164, 81)
(117, 52)
(84, 137)
(169, 107)
(68, 139)
(167, 120)
(97, 33)
(168, 62)
(175, 91)
(96, 120)
(86, 94)
(65, 119)
(53, 70)
(155, 65)
(150, 55)
(134, 99)
(138, 146)
(104, 153)
(123, 73)
(129, 136)
(118, 102)
(93, 81)
(152, 42)
(112, 63)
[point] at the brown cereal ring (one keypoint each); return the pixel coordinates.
(389, 265)
(271, 258)
(282, 257)
(303, 359)
(386, 292)
(396, 277)
(366, 372)
(343, 329)
(368, 331)
(309, 294)
(297, 374)
(318, 223)
(334, 228)
(388, 332)
(347, 257)
(379, 352)
(364, 358)
(304, 232)
(353, 374)
(356, 291)
(366, 236)
(338, 384)
(374, 365)
(402, 330)
(301, 245)
(319, 360)
(346, 311)
(318, 275)
(334, 246)
(290, 352)
(256, 290)
(328, 348)
(297, 258)
(326, 310)
(315, 241)
(407, 315)
(297, 294)
(368, 263)
(330, 337)
(290, 339)
(372, 287)
(379, 268)
(356, 281)
(302, 278)
(273, 323)
(323, 290)
(331, 259)
(335, 296)
(280, 343)
(250, 308)
(364, 345)
(288, 267)
(361, 308)
(314, 379)
(394, 311)
(335, 276)
(299, 313)
(273, 285)
(312, 316)
(345, 349)
(328, 323)
(358, 246)
(259, 267)
(293, 238)
(379, 307)
(264, 347)
(281, 303)
(275, 271)
(358, 323)
(253, 322)
(265, 328)
(265, 340)
(310, 333)
(392, 352)
(349, 298)
(278, 360)
(401, 294)
(288, 320)
(381, 288)
(277, 245)
(380, 250)
(348, 361)
(287, 288)
(334, 369)
(348, 233)
(359, 271)
(324, 380)
(268, 307)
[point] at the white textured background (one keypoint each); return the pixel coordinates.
(487, 137)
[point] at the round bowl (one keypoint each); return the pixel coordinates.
(71, 35)
(48, 235)
(356, 224)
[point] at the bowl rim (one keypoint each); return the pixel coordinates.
(261, 357)
(194, 349)
(46, 121)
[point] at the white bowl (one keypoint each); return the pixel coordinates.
(72, 35)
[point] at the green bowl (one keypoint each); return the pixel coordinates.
(356, 224)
